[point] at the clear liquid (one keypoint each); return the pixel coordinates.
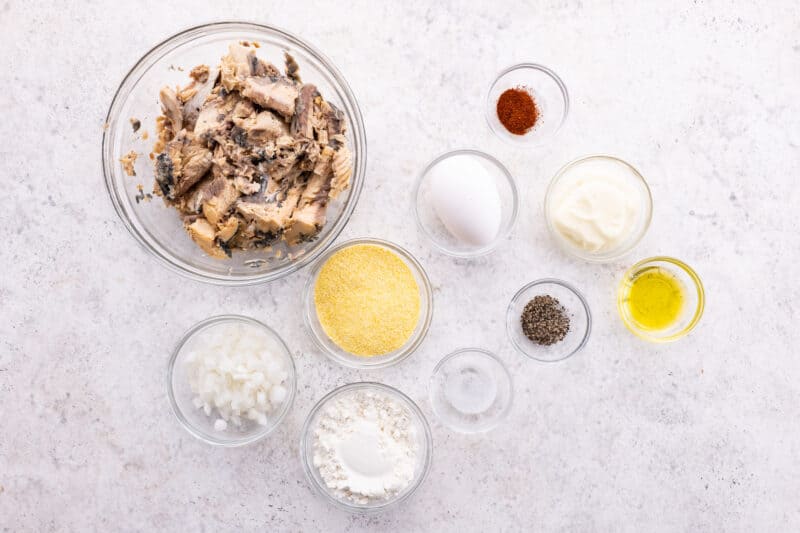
(470, 390)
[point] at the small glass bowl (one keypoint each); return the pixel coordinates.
(471, 390)
(194, 420)
(424, 441)
(580, 324)
(430, 224)
(693, 306)
(331, 349)
(157, 227)
(645, 199)
(549, 93)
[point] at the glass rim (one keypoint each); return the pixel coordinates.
(323, 490)
(178, 412)
(161, 252)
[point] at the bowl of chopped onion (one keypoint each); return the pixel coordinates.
(231, 380)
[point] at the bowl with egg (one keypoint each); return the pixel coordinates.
(465, 203)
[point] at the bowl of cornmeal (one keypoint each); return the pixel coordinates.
(368, 303)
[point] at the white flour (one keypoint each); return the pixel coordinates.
(365, 447)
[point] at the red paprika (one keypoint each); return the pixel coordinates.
(517, 110)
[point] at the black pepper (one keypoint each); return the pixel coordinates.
(544, 320)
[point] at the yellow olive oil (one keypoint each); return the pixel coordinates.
(655, 298)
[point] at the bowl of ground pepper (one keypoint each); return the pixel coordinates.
(368, 303)
(527, 104)
(548, 320)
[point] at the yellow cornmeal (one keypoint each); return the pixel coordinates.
(655, 298)
(367, 300)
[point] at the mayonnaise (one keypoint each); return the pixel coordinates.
(596, 205)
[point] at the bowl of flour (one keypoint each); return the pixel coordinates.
(366, 447)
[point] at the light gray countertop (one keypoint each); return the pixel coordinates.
(700, 435)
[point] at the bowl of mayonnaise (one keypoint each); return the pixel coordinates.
(598, 208)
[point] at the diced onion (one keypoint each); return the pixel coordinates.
(236, 370)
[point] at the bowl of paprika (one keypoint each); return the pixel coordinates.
(527, 104)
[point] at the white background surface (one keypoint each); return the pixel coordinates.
(701, 435)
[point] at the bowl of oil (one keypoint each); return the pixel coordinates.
(660, 299)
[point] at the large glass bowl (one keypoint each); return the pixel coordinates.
(158, 227)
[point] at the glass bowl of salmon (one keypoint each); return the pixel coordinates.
(191, 234)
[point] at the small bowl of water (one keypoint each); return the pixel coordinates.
(471, 390)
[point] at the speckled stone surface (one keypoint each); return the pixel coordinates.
(701, 435)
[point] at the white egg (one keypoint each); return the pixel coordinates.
(465, 198)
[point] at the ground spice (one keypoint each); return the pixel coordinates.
(367, 300)
(517, 110)
(544, 320)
